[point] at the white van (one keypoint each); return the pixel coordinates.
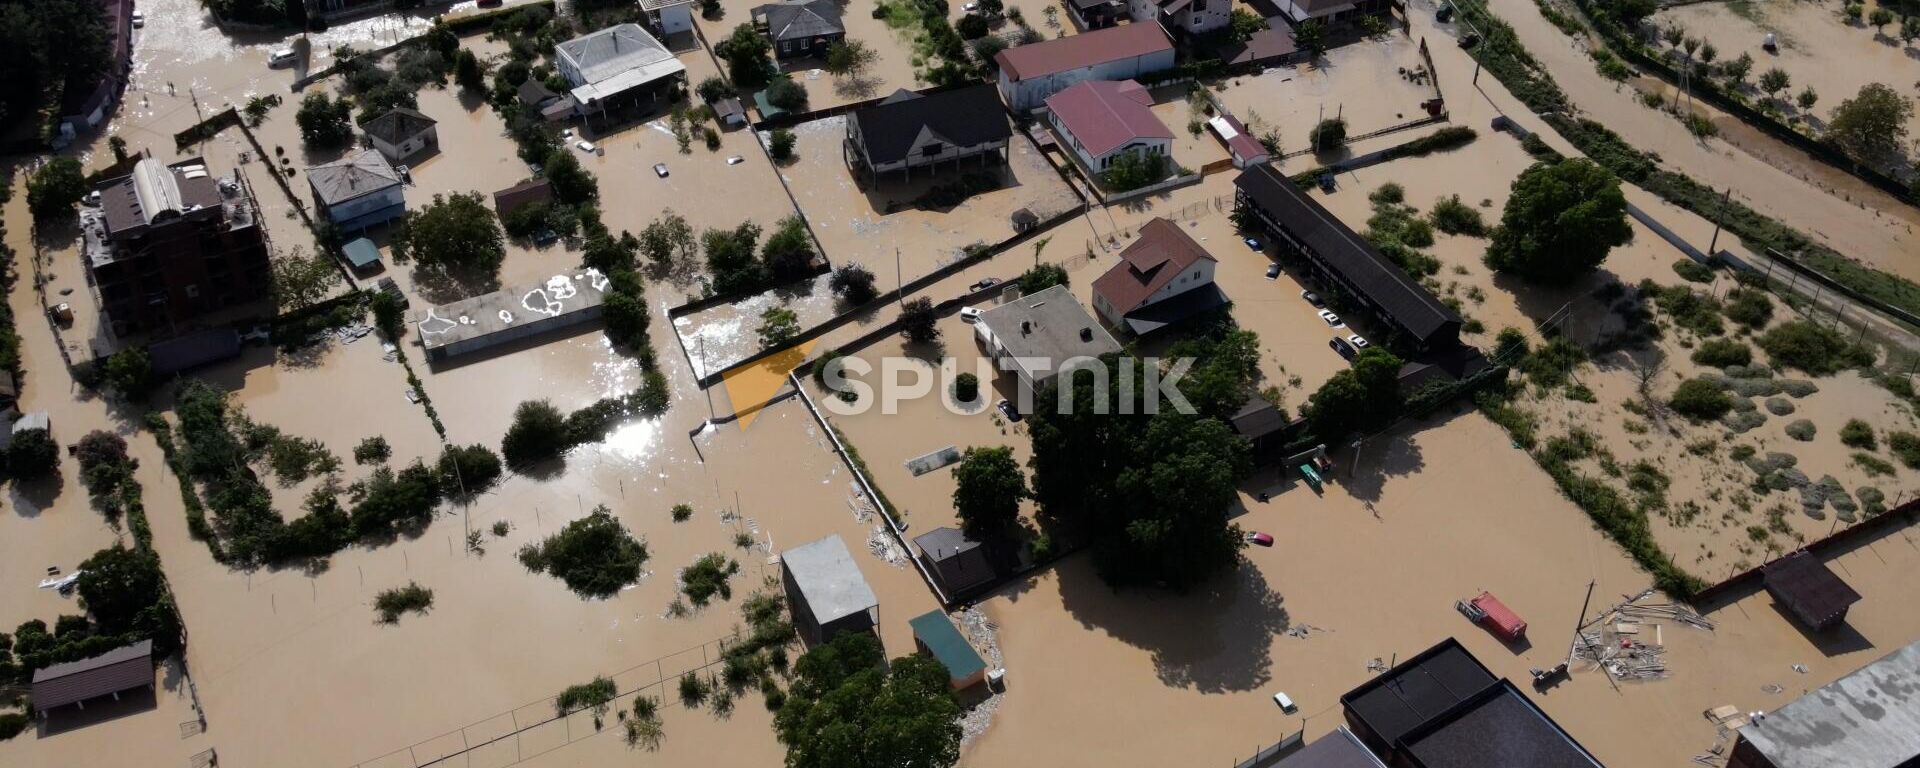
(281, 58)
(1286, 704)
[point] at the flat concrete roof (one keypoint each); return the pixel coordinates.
(1868, 719)
(829, 579)
(509, 309)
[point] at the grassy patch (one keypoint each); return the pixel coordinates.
(1858, 434)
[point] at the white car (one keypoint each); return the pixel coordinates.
(585, 146)
(1331, 318)
(281, 58)
(660, 170)
(1286, 703)
(969, 314)
(1358, 341)
(139, 19)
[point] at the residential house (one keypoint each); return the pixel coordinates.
(1031, 73)
(1090, 15)
(401, 133)
(358, 191)
(85, 108)
(1442, 708)
(1347, 267)
(1103, 121)
(1183, 18)
(169, 243)
(1269, 47)
(1042, 335)
(1164, 277)
(552, 107)
(1867, 719)
(957, 563)
(618, 70)
(668, 17)
(908, 131)
(1332, 12)
(800, 28)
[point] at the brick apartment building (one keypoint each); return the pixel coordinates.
(169, 243)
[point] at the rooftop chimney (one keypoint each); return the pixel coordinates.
(1086, 334)
(1026, 327)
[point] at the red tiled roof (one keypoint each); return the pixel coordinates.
(530, 191)
(1079, 51)
(1106, 116)
(1163, 252)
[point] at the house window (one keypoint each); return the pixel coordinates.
(1196, 274)
(932, 149)
(1199, 6)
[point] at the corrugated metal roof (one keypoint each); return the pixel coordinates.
(1080, 51)
(121, 669)
(935, 631)
(829, 580)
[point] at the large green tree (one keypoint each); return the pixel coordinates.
(1560, 221)
(47, 48)
(987, 492)
(453, 235)
(847, 708)
(55, 188)
(745, 52)
(1363, 396)
(1871, 125)
(1152, 492)
(324, 122)
(301, 280)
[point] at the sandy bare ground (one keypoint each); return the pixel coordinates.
(866, 226)
(1361, 83)
(1817, 47)
(1877, 234)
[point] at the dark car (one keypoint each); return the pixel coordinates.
(1273, 271)
(1341, 346)
(1007, 410)
(985, 283)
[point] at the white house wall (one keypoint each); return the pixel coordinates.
(1032, 93)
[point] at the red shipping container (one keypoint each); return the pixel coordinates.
(1503, 621)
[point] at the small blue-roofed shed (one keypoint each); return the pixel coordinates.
(362, 253)
(936, 636)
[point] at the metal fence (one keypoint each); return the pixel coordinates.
(537, 727)
(1119, 239)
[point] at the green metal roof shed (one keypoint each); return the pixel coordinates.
(935, 634)
(362, 253)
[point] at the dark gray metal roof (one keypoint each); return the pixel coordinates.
(1340, 749)
(1348, 253)
(193, 350)
(1418, 690)
(1868, 719)
(1809, 590)
(358, 174)
(801, 19)
(1499, 726)
(121, 669)
(399, 124)
(944, 543)
(963, 117)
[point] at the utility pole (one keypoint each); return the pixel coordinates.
(1725, 200)
(899, 280)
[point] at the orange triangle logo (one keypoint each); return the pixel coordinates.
(750, 387)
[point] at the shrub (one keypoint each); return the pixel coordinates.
(1720, 353)
(1810, 347)
(780, 144)
(708, 577)
(1858, 434)
(1801, 429)
(1779, 406)
(594, 555)
(32, 455)
(966, 387)
(1905, 447)
(1330, 134)
(918, 321)
(595, 695)
(693, 689)
(1693, 271)
(469, 470)
(1749, 307)
(854, 283)
(681, 512)
(788, 94)
(1701, 400)
(1873, 465)
(539, 433)
(1453, 217)
(373, 450)
(393, 602)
